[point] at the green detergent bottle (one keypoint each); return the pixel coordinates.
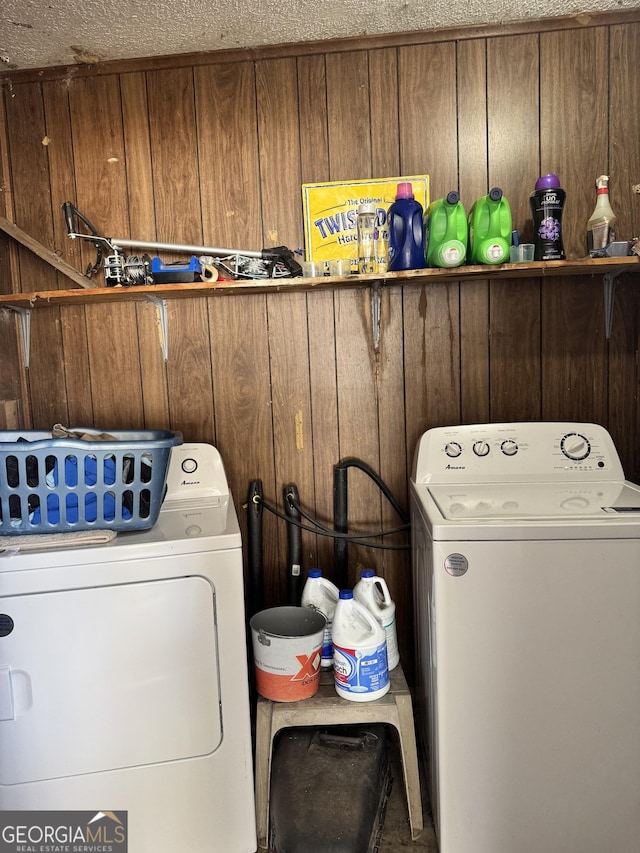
(490, 229)
(446, 232)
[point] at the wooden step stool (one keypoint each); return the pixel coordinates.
(326, 708)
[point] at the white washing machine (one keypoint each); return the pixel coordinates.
(123, 674)
(526, 569)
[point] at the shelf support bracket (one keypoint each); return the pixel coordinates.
(162, 319)
(376, 303)
(609, 280)
(25, 330)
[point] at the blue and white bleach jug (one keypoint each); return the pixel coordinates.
(360, 668)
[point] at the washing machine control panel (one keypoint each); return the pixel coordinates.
(516, 452)
(196, 472)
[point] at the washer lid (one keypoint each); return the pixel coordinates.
(537, 502)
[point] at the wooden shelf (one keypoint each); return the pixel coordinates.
(537, 269)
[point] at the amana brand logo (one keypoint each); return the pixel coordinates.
(63, 832)
(190, 483)
(455, 467)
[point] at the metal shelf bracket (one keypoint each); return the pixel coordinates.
(609, 280)
(376, 305)
(162, 319)
(25, 330)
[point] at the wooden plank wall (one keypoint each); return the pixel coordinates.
(287, 384)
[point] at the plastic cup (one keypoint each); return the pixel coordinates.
(340, 266)
(312, 269)
(522, 253)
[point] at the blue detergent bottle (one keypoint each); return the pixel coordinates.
(406, 234)
(490, 228)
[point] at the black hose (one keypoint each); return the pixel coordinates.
(322, 529)
(340, 523)
(340, 511)
(354, 538)
(352, 462)
(254, 557)
(294, 546)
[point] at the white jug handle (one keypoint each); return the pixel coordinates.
(366, 615)
(384, 589)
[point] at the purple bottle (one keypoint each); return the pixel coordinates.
(547, 203)
(406, 234)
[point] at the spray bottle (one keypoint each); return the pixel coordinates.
(601, 225)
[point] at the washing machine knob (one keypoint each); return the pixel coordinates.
(575, 446)
(481, 448)
(453, 449)
(509, 447)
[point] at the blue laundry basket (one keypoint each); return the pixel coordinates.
(60, 485)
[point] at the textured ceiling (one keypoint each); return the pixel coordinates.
(43, 33)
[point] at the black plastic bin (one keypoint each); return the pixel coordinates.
(329, 788)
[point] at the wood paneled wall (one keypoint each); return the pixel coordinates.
(213, 149)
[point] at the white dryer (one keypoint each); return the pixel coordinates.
(526, 570)
(123, 674)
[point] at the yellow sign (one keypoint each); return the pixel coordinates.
(331, 210)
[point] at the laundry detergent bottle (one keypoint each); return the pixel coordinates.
(490, 229)
(446, 232)
(322, 595)
(406, 235)
(373, 593)
(360, 668)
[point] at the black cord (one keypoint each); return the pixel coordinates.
(354, 462)
(329, 530)
(321, 530)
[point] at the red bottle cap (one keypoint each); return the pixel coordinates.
(405, 190)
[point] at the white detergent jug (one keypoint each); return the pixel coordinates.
(322, 595)
(373, 593)
(360, 669)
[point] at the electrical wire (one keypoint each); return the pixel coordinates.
(321, 530)
(330, 530)
(354, 462)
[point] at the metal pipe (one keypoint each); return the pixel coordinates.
(181, 247)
